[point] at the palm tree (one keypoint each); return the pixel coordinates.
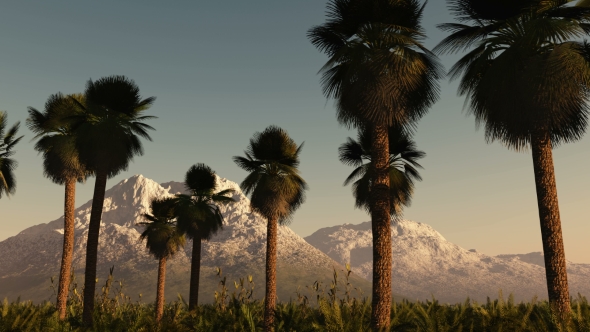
(7, 165)
(199, 217)
(107, 138)
(403, 168)
(380, 75)
(62, 166)
(526, 78)
(277, 191)
(163, 240)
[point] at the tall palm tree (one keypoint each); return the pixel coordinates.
(277, 191)
(8, 140)
(61, 165)
(108, 135)
(526, 78)
(199, 216)
(163, 240)
(403, 168)
(380, 75)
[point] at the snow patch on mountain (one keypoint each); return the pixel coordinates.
(425, 264)
(239, 249)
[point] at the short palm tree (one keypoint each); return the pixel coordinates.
(108, 135)
(199, 216)
(277, 191)
(403, 169)
(8, 140)
(380, 75)
(61, 165)
(526, 78)
(163, 240)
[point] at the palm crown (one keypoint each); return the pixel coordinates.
(8, 140)
(55, 138)
(162, 237)
(111, 123)
(526, 70)
(378, 71)
(403, 168)
(277, 189)
(198, 213)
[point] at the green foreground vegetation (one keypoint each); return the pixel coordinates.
(335, 306)
(331, 315)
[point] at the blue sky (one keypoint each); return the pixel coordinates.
(223, 70)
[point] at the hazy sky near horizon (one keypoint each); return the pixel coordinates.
(222, 70)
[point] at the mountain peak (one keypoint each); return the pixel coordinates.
(239, 249)
(426, 264)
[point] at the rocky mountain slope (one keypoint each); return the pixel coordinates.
(426, 264)
(32, 257)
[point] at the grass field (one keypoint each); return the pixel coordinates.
(336, 306)
(111, 315)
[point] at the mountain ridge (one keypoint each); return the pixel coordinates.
(425, 264)
(239, 249)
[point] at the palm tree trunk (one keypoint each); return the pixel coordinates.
(553, 250)
(68, 248)
(160, 293)
(193, 298)
(92, 246)
(381, 227)
(271, 275)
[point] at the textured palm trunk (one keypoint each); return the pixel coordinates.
(381, 227)
(193, 298)
(270, 297)
(553, 250)
(160, 293)
(68, 248)
(92, 246)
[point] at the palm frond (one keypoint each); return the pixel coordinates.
(351, 153)
(403, 164)
(198, 215)
(273, 181)
(110, 123)
(162, 238)
(462, 37)
(357, 173)
(523, 75)
(55, 137)
(8, 140)
(247, 163)
(200, 177)
(378, 40)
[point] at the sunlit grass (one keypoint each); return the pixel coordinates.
(330, 307)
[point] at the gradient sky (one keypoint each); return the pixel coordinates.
(222, 70)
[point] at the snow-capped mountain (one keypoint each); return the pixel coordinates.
(32, 257)
(426, 264)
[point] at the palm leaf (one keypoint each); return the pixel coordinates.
(273, 180)
(8, 140)
(403, 169)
